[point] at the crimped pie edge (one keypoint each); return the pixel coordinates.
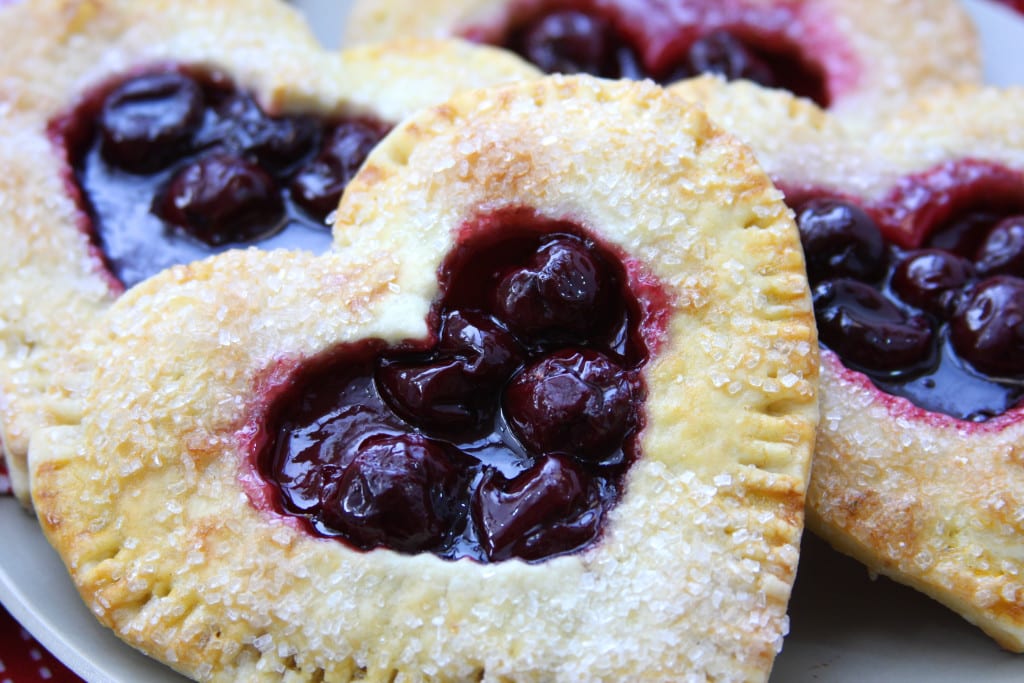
(732, 506)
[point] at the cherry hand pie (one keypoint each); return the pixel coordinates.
(914, 243)
(545, 413)
(853, 57)
(140, 134)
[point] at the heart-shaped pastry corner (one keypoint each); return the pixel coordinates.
(545, 413)
(858, 58)
(914, 237)
(140, 134)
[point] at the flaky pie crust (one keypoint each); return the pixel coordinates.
(143, 492)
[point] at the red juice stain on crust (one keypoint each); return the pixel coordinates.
(340, 442)
(904, 408)
(913, 209)
(269, 389)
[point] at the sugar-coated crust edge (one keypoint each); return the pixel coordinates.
(692, 578)
(55, 50)
(930, 501)
(883, 38)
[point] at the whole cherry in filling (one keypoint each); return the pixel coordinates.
(559, 296)
(572, 401)
(618, 40)
(572, 42)
(939, 321)
(173, 164)
(507, 434)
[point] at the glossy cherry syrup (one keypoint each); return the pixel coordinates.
(774, 45)
(174, 164)
(507, 434)
(924, 291)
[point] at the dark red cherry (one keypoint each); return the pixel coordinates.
(867, 330)
(456, 388)
(545, 511)
(561, 296)
(433, 395)
(1002, 250)
(399, 491)
(277, 143)
(931, 279)
(570, 42)
(147, 122)
(840, 240)
(574, 402)
(964, 232)
(319, 184)
(724, 54)
(988, 328)
(222, 198)
(489, 353)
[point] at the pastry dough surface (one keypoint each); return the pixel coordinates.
(147, 492)
(56, 51)
(926, 499)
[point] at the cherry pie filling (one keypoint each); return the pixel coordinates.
(507, 434)
(939, 318)
(620, 40)
(174, 164)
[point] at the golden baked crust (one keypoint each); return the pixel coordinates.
(56, 50)
(926, 499)
(141, 493)
(877, 62)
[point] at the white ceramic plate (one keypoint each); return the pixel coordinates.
(845, 627)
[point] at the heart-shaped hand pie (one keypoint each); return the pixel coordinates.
(853, 57)
(143, 134)
(546, 414)
(914, 242)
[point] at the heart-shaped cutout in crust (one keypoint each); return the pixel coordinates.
(104, 192)
(154, 496)
(854, 58)
(919, 469)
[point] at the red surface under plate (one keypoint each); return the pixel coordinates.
(23, 660)
(1015, 4)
